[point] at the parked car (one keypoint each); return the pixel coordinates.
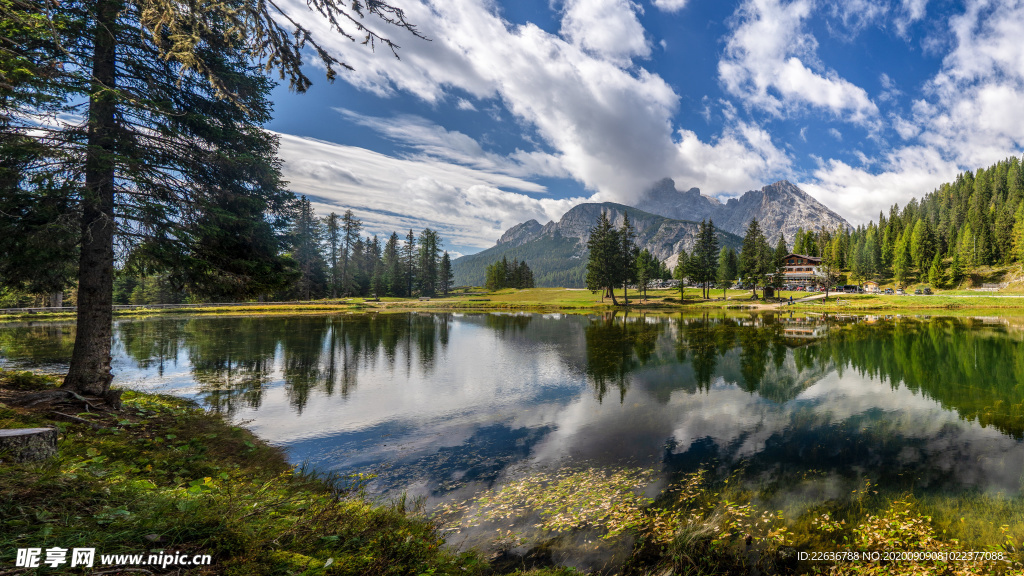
(889, 291)
(928, 291)
(900, 292)
(917, 292)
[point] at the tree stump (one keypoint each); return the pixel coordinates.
(27, 444)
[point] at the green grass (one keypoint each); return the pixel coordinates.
(165, 475)
(577, 300)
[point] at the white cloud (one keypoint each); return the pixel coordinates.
(764, 64)
(859, 194)
(835, 134)
(608, 122)
(969, 117)
(906, 129)
(464, 104)
(606, 28)
(670, 5)
(911, 11)
(434, 141)
(740, 160)
(470, 207)
(855, 15)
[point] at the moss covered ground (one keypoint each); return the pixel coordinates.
(162, 476)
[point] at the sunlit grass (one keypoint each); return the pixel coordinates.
(165, 475)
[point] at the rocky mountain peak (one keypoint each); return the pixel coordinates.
(521, 233)
(780, 208)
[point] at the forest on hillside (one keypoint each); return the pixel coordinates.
(975, 220)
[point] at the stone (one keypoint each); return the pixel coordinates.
(27, 444)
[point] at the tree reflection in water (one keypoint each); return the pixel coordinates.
(972, 366)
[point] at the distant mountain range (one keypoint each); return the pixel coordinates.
(666, 221)
(780, 208)
(557, 251)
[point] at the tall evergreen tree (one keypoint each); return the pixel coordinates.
(922, 245)
(647, 269)
(629, 251)
(306, 238)
(935, 271)
(171, 137)
(728, 269)
(350, 228)
(903, 260)
(756, 257)
(703, 263)
(680, 272)
(446, 275)
(427, 259)
(394, 277)
(332, 237)
(605, 259)
(779, 263)
(409, 262)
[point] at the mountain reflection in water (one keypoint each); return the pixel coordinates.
(445, 404)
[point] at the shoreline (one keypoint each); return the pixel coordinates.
(567, 300)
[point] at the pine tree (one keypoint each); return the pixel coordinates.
(903, 260)
(333, 239)
(447, 276)
(1018, 233)
(935, 272)
(703, 263)
(956, 270)
(409, 262)
(394, 278)
(171, 152)
(350, 228)
(605, 260)
(756, 257)
(427, 260)
(779, 268)
(968, 247)
(728, 268)
(680, 272)
(305, 239)
(629, 251)
(647, 269)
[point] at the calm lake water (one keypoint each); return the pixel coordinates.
(444, 406)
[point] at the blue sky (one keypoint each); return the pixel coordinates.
(519, 110)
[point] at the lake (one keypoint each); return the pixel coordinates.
(798, 411)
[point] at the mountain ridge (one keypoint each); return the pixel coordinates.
(557, 251)
(780, 208)
(666, 220)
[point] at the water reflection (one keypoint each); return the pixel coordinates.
(441, 404)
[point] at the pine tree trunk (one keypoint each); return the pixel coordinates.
(90, 361)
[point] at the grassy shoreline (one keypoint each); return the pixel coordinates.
(583, 301)
(161, 474)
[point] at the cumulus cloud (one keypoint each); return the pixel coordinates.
(608, 122)
(470, 207)
(969, 116)
(859, 194)
(606, 28)
(765, 64)
(670, 5)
